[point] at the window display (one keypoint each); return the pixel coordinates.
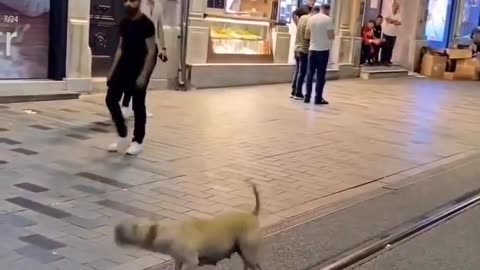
(286, 9)
(469, 18)
(437, 20)
(24, 39)
(231, 37)
(254, 8)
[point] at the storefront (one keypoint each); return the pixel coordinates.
(236, 42)
(93, 39)
(32, 39)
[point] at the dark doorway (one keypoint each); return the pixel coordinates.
(104, 37)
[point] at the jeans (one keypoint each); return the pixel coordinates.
(317, 64)
(387, 49)
(302, 67)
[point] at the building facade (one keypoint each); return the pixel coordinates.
(80, 45)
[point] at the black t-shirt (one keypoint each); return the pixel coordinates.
(134, 34)
(377, 31)
(303, 10)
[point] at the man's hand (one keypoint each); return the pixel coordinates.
(163, 55)
(141, 82)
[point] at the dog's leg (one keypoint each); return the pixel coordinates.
(178, 265)
(186, 258)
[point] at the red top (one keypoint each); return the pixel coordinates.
(367, 35)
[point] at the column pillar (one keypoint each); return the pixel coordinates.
(340, 44)
(79, 55)
(416, 30)
(347, 44)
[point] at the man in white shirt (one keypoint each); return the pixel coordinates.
(391, 27)
(153, 9)
(320, 32)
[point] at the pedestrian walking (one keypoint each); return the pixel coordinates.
(153, 9)
(130, 73)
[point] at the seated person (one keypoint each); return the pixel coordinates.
(371, 44)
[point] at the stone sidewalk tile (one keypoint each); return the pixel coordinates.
(198, 161)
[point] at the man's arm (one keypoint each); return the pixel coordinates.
(307, 31)
(149, 64)
(330, 32)
(116, 58)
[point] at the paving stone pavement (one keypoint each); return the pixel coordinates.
(61, 192)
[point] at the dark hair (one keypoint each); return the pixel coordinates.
(372, 21)
(316, 9)
(325, 7)
(379, 17)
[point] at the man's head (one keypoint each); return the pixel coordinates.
(395, 7)
(325, 9)
(315, 10)
(311, 3)
(132, 7)
(379, 20)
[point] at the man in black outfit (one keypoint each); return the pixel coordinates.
(131, 70)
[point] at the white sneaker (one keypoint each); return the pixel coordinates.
(135, 149)
(149, 114)
(127, 112)
(120, 145)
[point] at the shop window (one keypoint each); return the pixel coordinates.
(287, 7)
(469, 18)
(439, 22)
(24, 39)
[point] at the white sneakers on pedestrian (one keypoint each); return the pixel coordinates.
(135, 149)
(123, 145)
(127, 112)
(119, 146)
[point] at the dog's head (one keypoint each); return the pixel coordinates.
(140, 233)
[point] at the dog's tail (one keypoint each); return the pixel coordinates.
(256, 210)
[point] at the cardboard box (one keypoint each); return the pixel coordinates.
(433, 65)
(449, 76)
(467, 69)
(459, 53)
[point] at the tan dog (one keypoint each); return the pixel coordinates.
(199, 242)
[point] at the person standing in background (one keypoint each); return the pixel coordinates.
(130, 73)
(153, 9)
(302, 45)
(391, 27)
(303, 10)
(320, 32)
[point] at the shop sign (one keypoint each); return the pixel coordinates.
(24, 39)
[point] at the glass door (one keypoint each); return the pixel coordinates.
(440, 22)
(469, 13)
(287, 7)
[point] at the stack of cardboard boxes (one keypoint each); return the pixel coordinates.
(451, 64)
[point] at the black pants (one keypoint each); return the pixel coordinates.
(317, 65)
(127, 96)
(114, 94)
(301, 73)
(370, 53)
(387, 49)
